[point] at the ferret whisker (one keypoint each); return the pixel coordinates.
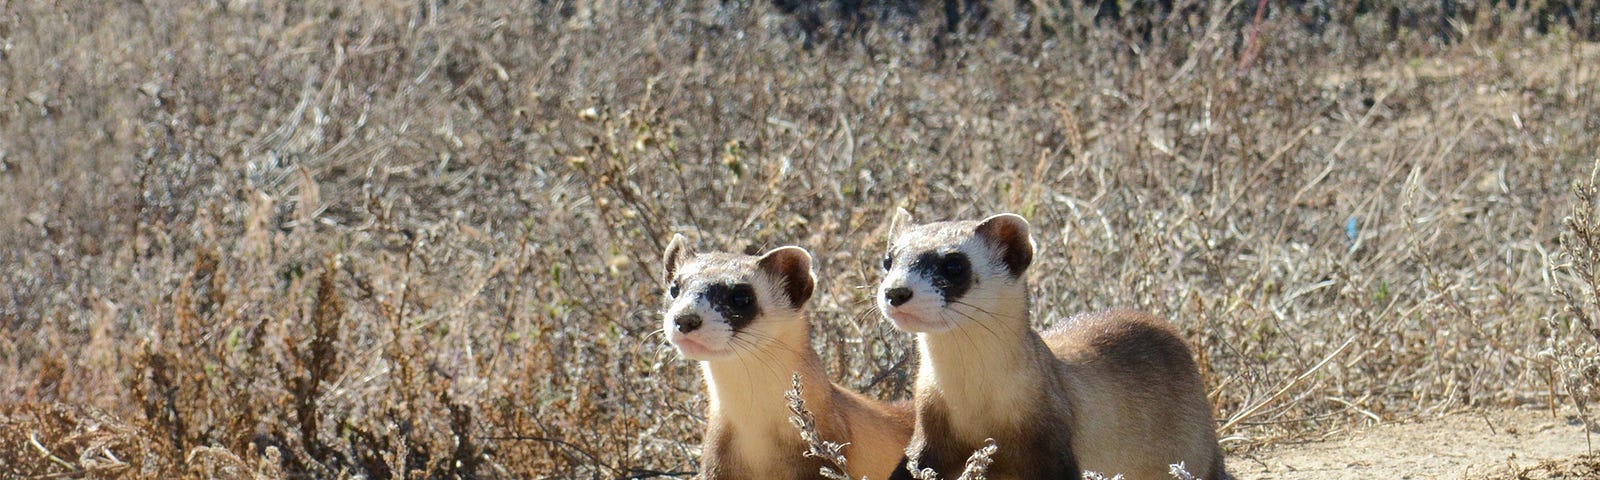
(750, 370)
(1049, 396)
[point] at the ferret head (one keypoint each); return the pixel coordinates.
(939, 275)
(723, 305)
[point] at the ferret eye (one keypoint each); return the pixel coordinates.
(672, 290)
(888, 262)
(740, 299)
(954, 265)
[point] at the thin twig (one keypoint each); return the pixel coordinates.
(1251, 411)
(33, 438)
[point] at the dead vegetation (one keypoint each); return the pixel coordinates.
(1581, 467)
(400, 239)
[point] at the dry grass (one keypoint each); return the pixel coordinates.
(831, 453)
(418, 238)
(1587, 466)
(1577, 354)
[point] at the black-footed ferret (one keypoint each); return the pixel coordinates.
(742, 317)
(1115, 392)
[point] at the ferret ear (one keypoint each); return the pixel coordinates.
(1008, 234)
(791, 265)
(678, 250)
(899, 222)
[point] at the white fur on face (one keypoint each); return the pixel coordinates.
(924, 312)
(712, 341)
(928, 311)
(716, 338)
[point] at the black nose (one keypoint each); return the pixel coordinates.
(687, 323)
(897, 296)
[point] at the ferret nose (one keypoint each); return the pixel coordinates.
(897, 296)
(687, 323)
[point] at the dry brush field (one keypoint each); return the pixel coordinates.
(421, 239)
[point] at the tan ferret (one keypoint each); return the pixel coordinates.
(742, 317)
(1115, 392)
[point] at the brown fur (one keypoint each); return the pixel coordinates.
(1126, 371)
(1024, 448)
(1116, 392)
(877, 432)
(1147, 379)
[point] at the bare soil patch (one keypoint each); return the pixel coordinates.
(1485, 444)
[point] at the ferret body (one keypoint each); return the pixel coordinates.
(1115, 392)
(742, 317)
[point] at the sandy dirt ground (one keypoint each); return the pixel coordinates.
(1506, 444)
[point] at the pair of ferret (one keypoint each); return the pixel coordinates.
(1115, 392)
